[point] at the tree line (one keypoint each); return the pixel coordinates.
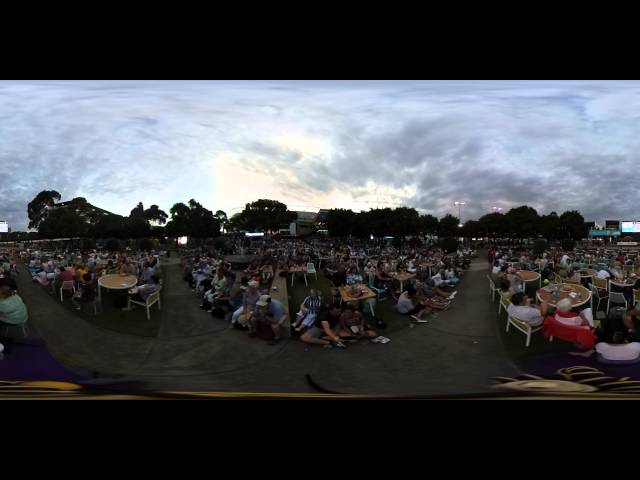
(78, 218)
(519, 222)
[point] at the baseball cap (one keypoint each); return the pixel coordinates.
(263, 301)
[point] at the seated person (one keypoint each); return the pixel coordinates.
(521, 309)
(86, 292)
(309, 309)
(264, 316)
(382, 279)
(141, 293)
(6, 280)
(253, 270)
(565, 315)
(13, 311)
(266, 272)
(431, 297)
(250, 297)
(440, 282)
(409, 304)
(325, 328)
(618, 350)
(451, 277)
(353, 276)
(126, 268)
(352, 324)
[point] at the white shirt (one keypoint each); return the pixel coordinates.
(603, 274)
(405, 305)
(529, 315)
(625, 351)
(573, 321)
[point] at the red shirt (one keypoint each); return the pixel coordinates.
(66, 276)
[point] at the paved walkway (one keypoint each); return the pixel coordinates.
(456, 353)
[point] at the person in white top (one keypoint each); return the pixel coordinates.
(521, 309)
(603, 274)
(616, 351)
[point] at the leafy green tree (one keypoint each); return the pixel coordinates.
(39, 207)
(448, 226)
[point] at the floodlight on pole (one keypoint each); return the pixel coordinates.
(496, 209)
(459, 205)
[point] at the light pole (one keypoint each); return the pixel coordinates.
(496, 209)
(459, 205)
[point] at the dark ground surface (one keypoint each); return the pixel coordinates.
(183, 348)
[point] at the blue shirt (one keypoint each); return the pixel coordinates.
(276, 309)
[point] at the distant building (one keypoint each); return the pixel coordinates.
(306, 223)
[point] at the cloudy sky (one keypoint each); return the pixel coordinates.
(555, 145)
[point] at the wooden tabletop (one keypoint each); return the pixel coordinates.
(404, 276)
(295, 269)
(528, 276)
(367, 293)
(623, 284)
(564, 291)
(587, 272)
(118, 282)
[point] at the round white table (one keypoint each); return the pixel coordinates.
(116, 282)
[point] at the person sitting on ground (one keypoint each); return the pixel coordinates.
(521, 309)
(13, 311)
(141, 293)
(308, 312)
(253, 270)
(352, 324)
(263, 316)
(86, 292)
(266, 272)
(564, 314)
(249, 299)
(618, 350)
(431, 297)
(451, 277)
(408, 304)
(324, 330)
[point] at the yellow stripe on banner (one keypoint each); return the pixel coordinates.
(52, 385)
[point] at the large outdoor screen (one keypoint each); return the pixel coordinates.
(630, 227)
(4, 227)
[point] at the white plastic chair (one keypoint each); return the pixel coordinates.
(311, 269)
(524, 327)
(151, 300)
(69, 286)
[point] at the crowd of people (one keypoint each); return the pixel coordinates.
(81, 270)
(616, 337)
(242, 298)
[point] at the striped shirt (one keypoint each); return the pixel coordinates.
(312, 304)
